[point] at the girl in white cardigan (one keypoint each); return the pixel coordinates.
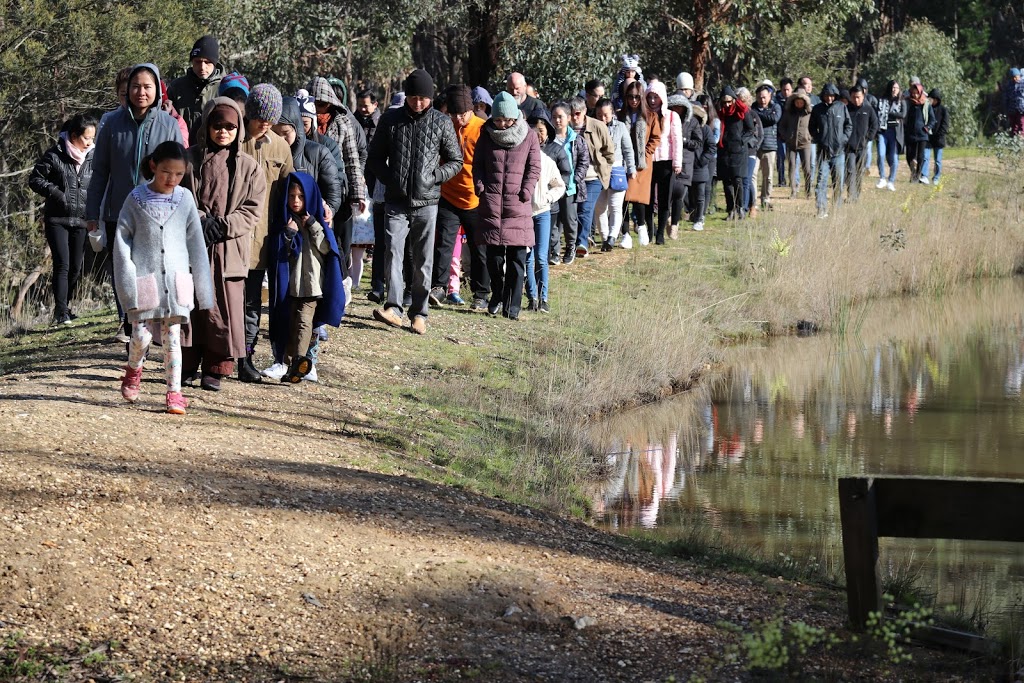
(160, 268)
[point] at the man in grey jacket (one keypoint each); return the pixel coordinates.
(830, 129)
(414, 150)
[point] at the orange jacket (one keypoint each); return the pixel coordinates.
(459, 190)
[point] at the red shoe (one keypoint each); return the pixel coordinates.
(176, 403)
(131, 384)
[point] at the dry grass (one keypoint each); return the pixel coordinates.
(919, 240)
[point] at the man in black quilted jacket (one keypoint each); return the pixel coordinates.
(414, 150)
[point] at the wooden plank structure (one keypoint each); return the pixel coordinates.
(918, 507)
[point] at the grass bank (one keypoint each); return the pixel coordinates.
(503, 407)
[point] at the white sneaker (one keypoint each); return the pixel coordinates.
(275, 371)
(698, 226)
(924, 181)
(311, 375)
(823, 214)
(626, 242)
(880, 184)
(891, 187)
(642, 233)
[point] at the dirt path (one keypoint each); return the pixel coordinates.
(239, 542)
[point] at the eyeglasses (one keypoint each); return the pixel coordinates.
(633, 97)
(223, 125)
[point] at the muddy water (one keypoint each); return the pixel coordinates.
(920, 386)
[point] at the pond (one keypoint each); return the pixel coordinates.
(918, 386)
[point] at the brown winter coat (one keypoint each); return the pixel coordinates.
(246, 196)
(794, 127)
(505, 179)
(602, 154)
(218, 335)
(639, 188)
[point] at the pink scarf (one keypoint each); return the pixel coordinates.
(77, 155)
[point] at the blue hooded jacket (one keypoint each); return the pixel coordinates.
(331, 307)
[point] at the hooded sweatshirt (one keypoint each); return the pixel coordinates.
(830, 123)
(670, 147)
(122, 142)
(794, 128)
(312, 158)
(940, 121)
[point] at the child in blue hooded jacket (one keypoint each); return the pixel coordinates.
(306, 285)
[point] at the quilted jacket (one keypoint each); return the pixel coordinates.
(62, 185)
(412, 154)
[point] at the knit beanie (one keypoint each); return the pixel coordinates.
(505, 107)
(264, 103)
(233, 80)
(480, 94)
(914, 80)
(1015, 72)
(307, 105)
(206, 47)
(459, 99)
(684, 81)
(397, 100)
(419, 84)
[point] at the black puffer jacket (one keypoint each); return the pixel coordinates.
(412, 154)
(693, 147)
(314, 159)
(830, 124)
(769, 117)
(64, 188)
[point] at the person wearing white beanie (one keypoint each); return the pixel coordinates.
(684, 86)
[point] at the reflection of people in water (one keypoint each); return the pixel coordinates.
(1015, 372)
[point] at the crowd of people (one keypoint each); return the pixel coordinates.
(206, 190)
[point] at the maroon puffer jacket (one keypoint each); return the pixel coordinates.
(505, 180)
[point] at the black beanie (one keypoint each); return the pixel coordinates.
(419, 84)
(207, 48)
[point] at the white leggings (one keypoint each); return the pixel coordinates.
(170, 337)
(356, 271)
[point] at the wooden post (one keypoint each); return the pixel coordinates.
(859, 517)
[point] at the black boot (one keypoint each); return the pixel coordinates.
(247, 372)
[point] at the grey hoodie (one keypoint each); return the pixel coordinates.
(121, 144)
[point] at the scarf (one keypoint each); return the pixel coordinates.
(738, 109)
(322, 122)
(77, 155)
(510, 137)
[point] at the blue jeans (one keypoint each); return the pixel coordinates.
(870, 154)
(887, 154)
(928, 151)
(585, 213)
(780, 163)
(834, 166)
(537, 260)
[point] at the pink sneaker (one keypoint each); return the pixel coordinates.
(131, 383)
(176, 403)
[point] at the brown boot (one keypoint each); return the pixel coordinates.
(387, 316)
(419, 325)
(753, 212)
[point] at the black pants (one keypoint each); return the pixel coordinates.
(698, 199)
(67, 247)
(507, 267)
(343, 234)
(915, 157)
(856, 162)
(709, 195)
(661, 189)
(449, 218)
(680, 193)
(733, 195)
(111, 227)
(567, 221)
(381, 249)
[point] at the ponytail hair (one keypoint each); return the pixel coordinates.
(165, 151)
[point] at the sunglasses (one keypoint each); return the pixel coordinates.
(223, 125)
(634, 97)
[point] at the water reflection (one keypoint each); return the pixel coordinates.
(929, 387)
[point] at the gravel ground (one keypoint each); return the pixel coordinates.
(250, 541)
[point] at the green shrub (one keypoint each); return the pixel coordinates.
(922, 50)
